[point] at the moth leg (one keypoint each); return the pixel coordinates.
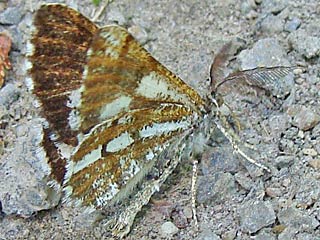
(122, 225)
(234, 117)
(194, 193)
(232, 133)
(234, 139)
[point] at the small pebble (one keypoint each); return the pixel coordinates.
(256, 215)
(304, 43)
(244, 181)
(265, 235)
(297, 71)
(11, 16)
(169, 229)
(305, 118)
(292, 25)
(310, 152)
(188, 212)
(283, 161)
(216, 189)
(273, 192)
(297, 219)
(229, 235)
(272, 24)
(208, 234)
(300, 134)
(299, 81)
(286, 182)
(315, 163)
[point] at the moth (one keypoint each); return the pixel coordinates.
(117, 121)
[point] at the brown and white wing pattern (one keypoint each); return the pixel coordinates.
(58, 53)
(131, 108)
(110, 102)
(121, 76)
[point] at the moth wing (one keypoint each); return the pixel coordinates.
(118, 154)
(131, 108)
(122, 76)
(57, 57)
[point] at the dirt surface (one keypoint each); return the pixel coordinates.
(235, 199)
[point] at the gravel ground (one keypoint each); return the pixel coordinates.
(236, 200)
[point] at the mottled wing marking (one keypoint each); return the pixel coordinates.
(5, 47)
(60, 43)
(115, 155)
(122, 76)
(131, 107)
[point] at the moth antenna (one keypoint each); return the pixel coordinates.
(218, 65)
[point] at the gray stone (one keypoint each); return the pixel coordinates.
(219, 159)
(316, 131)
(229, 235)
(287, 234)
(308, 190)
(256, 215)
(288, 146)
(216, 189)
(283, 161)
(308, 46)
(265, 236)
(17, 41)
(272, 24)
(266, 52)
(247, 6)
(297, 219)
(11, 16)
(278, 124)
(207, 234)
(306, 236)
(305, 118)
(291, 133)
(273, 192)
(274, 6)
(24, 175)
(244, 181)
(168, 229)
(116, 16)
(9, 94)
(292, 25)
(11, 228)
